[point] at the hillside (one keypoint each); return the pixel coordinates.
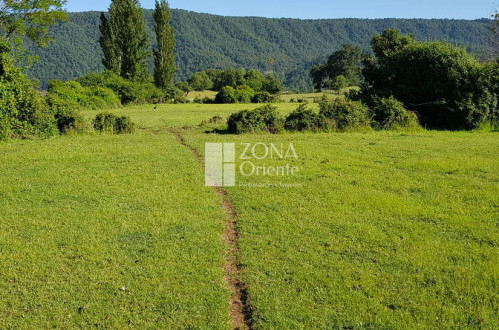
(210, 41)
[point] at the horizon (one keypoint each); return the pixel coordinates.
(319, 9)
(307, 19)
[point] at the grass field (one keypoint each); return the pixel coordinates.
(384, 230)
(286, 97)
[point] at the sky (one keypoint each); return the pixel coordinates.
(309, 9)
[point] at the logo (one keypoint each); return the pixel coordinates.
(220, 164)
(259, 160)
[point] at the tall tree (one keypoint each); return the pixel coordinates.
(344, 62)
(128, 28)
(164, 57)
(107, 40)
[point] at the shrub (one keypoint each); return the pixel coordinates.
(67, 116)
(244, 94)
(263, 97)
(127, 91)
(304, 119)
(77, 96)
(444, 84)
(272, 85)
(213, 121)
(106, 122)
(207, 100)
(264, 119)
(226, 95)
(23, 111)
(183, 86)
(171, 93)
(345, 114)
(391, 114)
(180, 99)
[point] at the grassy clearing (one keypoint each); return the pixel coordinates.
(388, 230)
(184, 115)
(82, 218)
(311, 97)
(308, 97)
(201, 94)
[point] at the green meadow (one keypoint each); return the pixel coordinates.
(377, 230)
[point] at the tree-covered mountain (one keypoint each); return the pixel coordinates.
(209, 41)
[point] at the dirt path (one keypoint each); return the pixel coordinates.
(240, 309)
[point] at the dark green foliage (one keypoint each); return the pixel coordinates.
(184, 86)
(77, 96)
(390, 42)
(264, 119)
(255, 79)
(345, 63)
(107, 41)
(304, 119)
(127, 91)
(106, 122)
(217, 79)
(164, 57)
(226, 95)
(339, 83)
(263, 97)
(131, 39)
(272, 85)
(207, 41)
(391, 114)
(244, 94)
(172, 92)
(201, 81)
(344, 114)
(442, 83)
(68, 118)
(23, 111)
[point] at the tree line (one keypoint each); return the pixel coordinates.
(446, 86)
(125, 42)
(208, 41)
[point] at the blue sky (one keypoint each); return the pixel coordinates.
(467, 9)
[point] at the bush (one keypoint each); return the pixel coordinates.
(391, 114)
(226, 95)
(23, 111)
(272, 85)
(106, 122)
(180, 99)
(264, 119)
(127, 91)
(244, 94)
(184, 87)
(171, 93)
(345, 114)
(67, 116)
(76, 96)
(263, 97)
(446, 86)
(213, 121)
(304, 119)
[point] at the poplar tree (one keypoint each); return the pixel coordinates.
(107, 40)
(125, 42)
(164, 57)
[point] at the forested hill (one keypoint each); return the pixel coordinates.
(210, 41)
